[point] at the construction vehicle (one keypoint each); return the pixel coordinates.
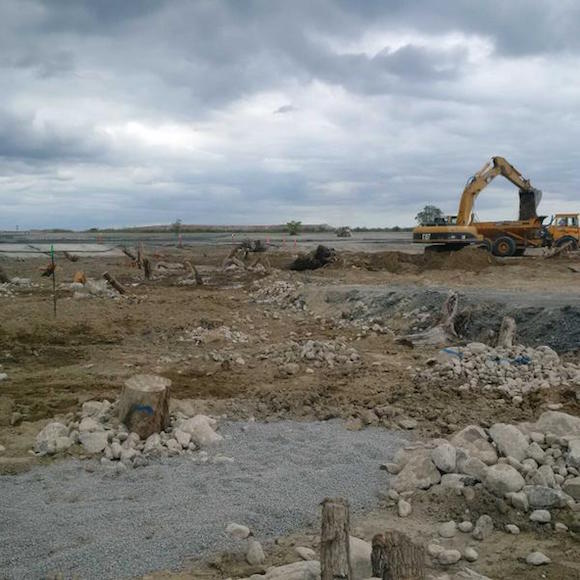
(564, 230)
(504, 238)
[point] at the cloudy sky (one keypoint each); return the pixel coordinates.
(260, 111)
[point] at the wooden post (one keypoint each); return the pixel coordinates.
(120, 289)
(144, 404)
(53, 266)
(3, 276)
(507, 331)
(147, 268)
(334, 545)
(396, 557)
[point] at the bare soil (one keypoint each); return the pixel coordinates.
(94, 344)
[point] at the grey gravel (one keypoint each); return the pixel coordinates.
(61, 518)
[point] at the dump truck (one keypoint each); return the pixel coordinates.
(502, 238)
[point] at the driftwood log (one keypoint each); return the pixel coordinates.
(144, 404)
(113, 282)
(194, 273)
(129, 255)
(334, 544)
(394, 556)
(507, 331)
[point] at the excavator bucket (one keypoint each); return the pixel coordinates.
(529, 201)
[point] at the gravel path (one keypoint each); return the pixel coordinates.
(62, 518)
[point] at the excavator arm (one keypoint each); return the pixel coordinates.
(529, 196)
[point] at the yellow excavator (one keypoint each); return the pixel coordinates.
(504, 238)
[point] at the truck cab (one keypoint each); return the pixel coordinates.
(565, 229)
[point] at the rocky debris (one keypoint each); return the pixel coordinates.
(52, 439)
(419, 472)
(204, 335)
(466, 527)
(483, 528)
(91, 289)
(303, 570)
(444, 457)
(280, 293)
(449, 557)
(537, 559)
(448, 529)
(98, 432)
(470, 554)
(404, 508)
(360, 557)
(512, 529)
(305, 553)
(502, 478)
(514, 371)
(314, 353)
(238, 531)
(549, 480)
(558, 424)
(541, 516)
(255, 554)
(509, 440)
(93, 442)
(474, 440)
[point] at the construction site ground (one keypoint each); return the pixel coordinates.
(364, 300)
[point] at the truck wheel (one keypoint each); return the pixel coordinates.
(565, 240)
(486, 245)
(504, 247)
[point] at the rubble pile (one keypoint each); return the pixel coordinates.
(97, 432)
(279, 293)
(534, 467)
(515, 371)
(316, 353)
(8, 288)
(204, 335)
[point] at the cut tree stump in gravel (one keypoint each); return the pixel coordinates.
(507, 331)
(396, 557)
(334, 544)
(144, 404)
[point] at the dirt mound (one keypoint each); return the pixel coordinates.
(469, 259)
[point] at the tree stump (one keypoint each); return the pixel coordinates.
(144, 404)
(334, 545)
(396, 557)
(147, 268)
(507, 331)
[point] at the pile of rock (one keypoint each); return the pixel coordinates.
(6, 290)
(515, 371)
(313, 353)
(98, 433)
(535, 467)
(204, 335)
(91, 289)
(279, 293)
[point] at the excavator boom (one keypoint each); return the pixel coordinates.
(529, 196)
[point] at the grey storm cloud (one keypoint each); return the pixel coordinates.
(262, 111)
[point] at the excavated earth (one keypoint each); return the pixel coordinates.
(255, 344)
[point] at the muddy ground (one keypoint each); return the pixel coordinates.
(362, 301)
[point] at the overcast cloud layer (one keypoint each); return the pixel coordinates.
(344, 112)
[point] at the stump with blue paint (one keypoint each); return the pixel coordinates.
(144, 404)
